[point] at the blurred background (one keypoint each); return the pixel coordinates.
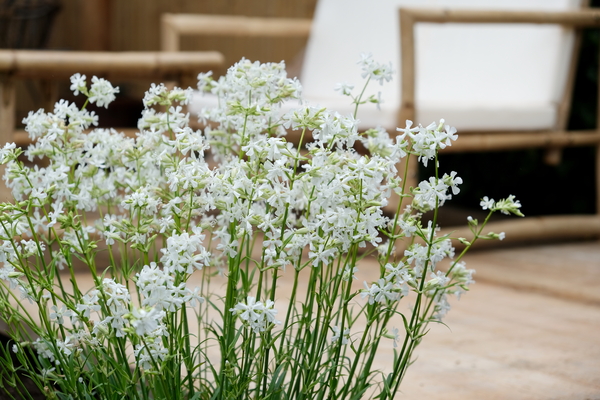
(132, 25)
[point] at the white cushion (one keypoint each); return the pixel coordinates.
(476, 77)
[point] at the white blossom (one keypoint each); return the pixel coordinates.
(102, 93)
(338, 334)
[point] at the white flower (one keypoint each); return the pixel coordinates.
(7, 153)
(146, 320)
(43, 349)
(321, 254)
(53, 215)
(337, 335)
(395, 332)
(487, 203)
(89, 303)
(184, 253)
(78, 84)
(508, 206)
(344, 88)
(59, 314)
(429, 194)
(398, 274)
(437, 280)
(256, 314)
(427, 141)
(452, 181)
(150, 354)
(46, 372)
(463, 278)
(193, 297)
(102, 93)
(374, 70)
(118, 295)
(380, 292)
(154, 94)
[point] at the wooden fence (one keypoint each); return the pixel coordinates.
(126, 25)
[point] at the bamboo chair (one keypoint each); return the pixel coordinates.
(533, 113)
(49, 67)
(553, 138)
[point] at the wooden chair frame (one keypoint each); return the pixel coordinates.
(173, 26)
(550, 227)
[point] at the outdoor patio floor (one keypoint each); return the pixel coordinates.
(528, 329)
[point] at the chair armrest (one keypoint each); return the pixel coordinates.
(60, 64)
(175, 25)
(569, 18)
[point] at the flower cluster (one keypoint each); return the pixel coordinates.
(258, 315)
(183, 231)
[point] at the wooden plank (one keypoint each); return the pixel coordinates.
(568, 271)
(503, 343)
(237, 25)
(582, 18)
(519, 231)
(499, 141)
(96, 14)
(57, 64)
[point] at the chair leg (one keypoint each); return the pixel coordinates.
(597, 180)
(7, 124)
(49, 94)
(553, 156)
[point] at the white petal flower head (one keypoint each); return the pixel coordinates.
(337, 335)
(102, 92)
(408, 130)
(254, 313)
(248, 311)
(429, 193)
(487, 204)
(375, 70)
(453, 181)
(146, 321)
(59, 314)
(154, 94)
(270, 312)
(7, 153)
(78, 84)
(344, 88)
(395, 333)
(380, 292)
(508, 206)
(438, 280)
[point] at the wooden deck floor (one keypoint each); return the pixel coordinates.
(528, 329)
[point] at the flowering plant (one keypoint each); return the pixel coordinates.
(192, 236)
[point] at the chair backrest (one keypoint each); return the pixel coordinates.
(471, 67)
